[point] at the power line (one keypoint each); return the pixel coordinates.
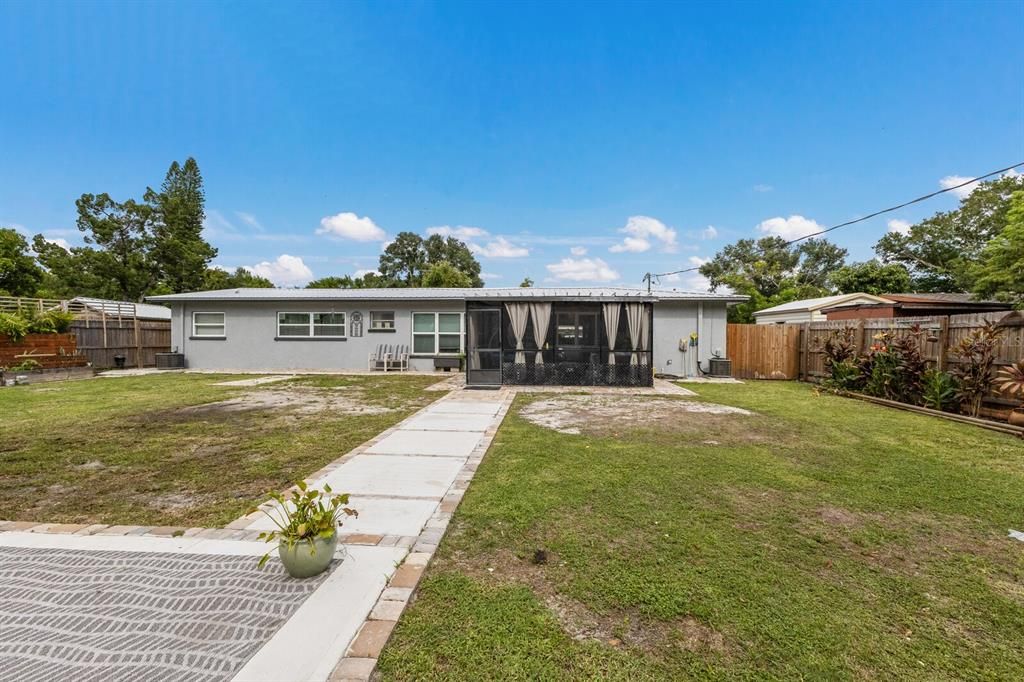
(650, 276)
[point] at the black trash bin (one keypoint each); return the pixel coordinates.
(119, 361)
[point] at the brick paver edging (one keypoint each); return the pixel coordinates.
(360, 661)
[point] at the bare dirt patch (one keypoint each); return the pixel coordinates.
(299, 400)
(614, 628)
(604, 414)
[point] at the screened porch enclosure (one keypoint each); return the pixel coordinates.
(559, 343)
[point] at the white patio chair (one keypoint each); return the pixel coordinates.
(378, 358)
(399, 359)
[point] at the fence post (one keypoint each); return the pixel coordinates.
(940, 362)
(805, 334)
(138, 345)
(103, 319)
(859, 337)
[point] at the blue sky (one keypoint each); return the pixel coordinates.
(580, 142)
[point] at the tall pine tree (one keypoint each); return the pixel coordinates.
(179, 250)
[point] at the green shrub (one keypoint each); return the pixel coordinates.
(893, 367)
(26, 365)
(938, 390)
(13, 326)
(844, 376)
(30, 321)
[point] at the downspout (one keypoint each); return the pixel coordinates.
(700, 335)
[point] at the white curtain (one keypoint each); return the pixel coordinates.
(519, 314)
(541, 313)
(645, 327)
(611, 327)
(474, 360)
(635, 320)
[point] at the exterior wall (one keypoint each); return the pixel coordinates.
(251, 328)
(859, 313)
(793, 317)
(675, 321)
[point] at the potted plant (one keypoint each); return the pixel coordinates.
(1010, 381)
(307, 529)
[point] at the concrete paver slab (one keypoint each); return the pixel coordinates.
(488, 407)
(377, 516)
(447, 421)
(434, 443)
(311, 642)
(427, 477)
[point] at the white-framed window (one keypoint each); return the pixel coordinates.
(308, 325)
(381, 320)
(208, 324)
(437, 333)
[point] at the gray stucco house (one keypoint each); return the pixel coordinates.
(573, 335)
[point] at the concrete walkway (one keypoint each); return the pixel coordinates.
(248, 625)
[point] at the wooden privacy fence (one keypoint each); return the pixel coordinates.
(105, 329)
(138, 340)
(764, 351)
(796, 351)
(940, 336)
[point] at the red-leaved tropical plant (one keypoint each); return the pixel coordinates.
(1010, 380)
(976, 371)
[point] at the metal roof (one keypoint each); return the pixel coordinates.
(143, 311)
(807, 304)
(432, 294)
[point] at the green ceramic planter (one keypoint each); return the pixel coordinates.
(302, 560)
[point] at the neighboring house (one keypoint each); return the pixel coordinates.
(811, 309)
(915, 305)
(114, 309)
(507, 336)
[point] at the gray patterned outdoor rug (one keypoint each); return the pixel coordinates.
(84, 615)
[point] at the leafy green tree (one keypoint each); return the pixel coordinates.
(819, 259)
(871, 277)
(942, 252)
(526, 283)
(444, 274)
(770, 272)
(368, 280)
(409, 257)
(20, 275)
(179, 250)
(403, 259)
(454, 252)
(1000, 271)
(118, 263)
(215, 278)
(332, 282)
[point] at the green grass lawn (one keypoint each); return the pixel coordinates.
(139, 451)
(821, 538)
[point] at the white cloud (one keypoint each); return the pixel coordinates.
(360, 273)
(250, 220)
(62, 243)
(284, 271)
(641, 232)
(583, 270)
(462, 232)
(489, 275)
(709, 232)
(499, 248)
(793, 227)
(899, 226)
(351, 226)
(954, 180)
(689, 281)
(763, 188)
(578, 251)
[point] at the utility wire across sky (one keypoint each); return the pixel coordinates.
(652, 276)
